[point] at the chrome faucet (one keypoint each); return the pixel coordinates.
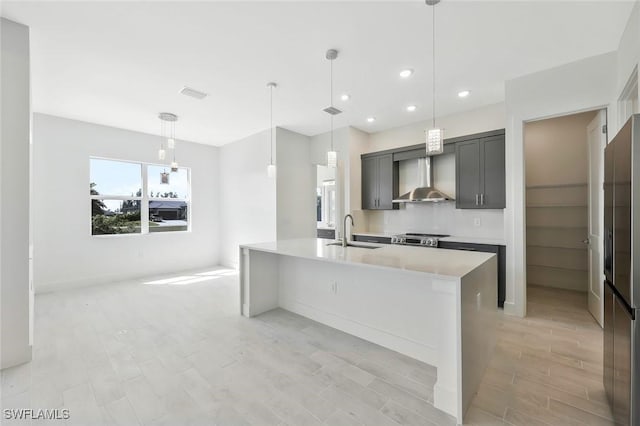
(345, 241)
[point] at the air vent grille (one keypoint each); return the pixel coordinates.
(332, 110)
(188, 91)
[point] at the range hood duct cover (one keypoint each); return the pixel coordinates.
(425, 193)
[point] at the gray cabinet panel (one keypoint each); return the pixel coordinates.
(492, 177)
(369, 183)
(387, 182)
(379, 182)
(480, 173)
(467, 174)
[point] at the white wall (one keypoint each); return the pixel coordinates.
(443, 217)
(296, 186)
(587, 84)
(247, 195)
(66, 254)
(483, 119)
(627, 58)
(14, 195)
(320, 144)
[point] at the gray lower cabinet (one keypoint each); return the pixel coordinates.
(379, 182)
(480, 173)
(329, 234)
(500, 251)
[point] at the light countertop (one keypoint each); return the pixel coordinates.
(441, 262)
(452, 238)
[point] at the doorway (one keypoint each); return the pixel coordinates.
(564, 171)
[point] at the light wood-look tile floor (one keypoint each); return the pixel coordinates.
(547, 369)
(175, 351)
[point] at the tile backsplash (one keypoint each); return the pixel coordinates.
(439, 218)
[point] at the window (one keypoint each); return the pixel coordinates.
(137, 198)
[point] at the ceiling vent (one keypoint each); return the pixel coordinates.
(332, 110)
(188, 91)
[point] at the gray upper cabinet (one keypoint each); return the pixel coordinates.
(480, 173)
(379, 182)
(369, 183)
(493, 177)
(467, 174)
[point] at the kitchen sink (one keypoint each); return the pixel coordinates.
(364, 246)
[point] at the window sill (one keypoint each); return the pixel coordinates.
(107, 236)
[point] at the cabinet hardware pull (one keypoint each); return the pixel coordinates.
(482, 199)
(476, 199)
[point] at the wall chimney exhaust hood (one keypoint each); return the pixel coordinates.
(425, 193)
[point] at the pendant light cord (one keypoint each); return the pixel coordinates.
(331, 97)
(271, 124)
(433, 51)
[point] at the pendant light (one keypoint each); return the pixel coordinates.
(434, 135)
(168, 134)
(271, 168)
(332, 156)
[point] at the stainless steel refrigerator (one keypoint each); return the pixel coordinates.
(622, 273)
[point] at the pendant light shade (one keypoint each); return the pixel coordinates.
(168, 134)
(435, 135)
(271, 168)
(332, 155)
(332, 159)
(271, 171)
(435, 141)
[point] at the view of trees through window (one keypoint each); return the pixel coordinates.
(119, 205)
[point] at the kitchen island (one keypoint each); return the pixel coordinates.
(434, 305)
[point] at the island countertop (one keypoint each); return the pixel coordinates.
(441, 262)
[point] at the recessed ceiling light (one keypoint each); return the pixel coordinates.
(345, 97)
(406, 73)
(371, 119)
(411, 108)
(463, 93)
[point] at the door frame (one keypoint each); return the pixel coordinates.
(517, 194)
(600, 218)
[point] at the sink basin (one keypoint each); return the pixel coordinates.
(364, 246)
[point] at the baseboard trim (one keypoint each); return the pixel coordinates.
(109, 279)
(385, 339)
(510, 308)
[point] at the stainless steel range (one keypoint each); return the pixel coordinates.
(414, 239)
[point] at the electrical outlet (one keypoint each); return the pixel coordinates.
(477, 222)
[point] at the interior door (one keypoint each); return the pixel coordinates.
(597, 141)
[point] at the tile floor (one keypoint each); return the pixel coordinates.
(547, 369)
(174, 351)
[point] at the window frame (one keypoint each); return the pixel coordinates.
(144, 199)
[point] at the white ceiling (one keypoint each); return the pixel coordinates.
(120, 64)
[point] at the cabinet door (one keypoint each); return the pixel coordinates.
(468, 175)
(492, 173)
(369, 183)
(387, 182)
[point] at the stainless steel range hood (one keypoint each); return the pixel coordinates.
(425, 193)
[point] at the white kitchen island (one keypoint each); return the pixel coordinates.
(434, 305)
